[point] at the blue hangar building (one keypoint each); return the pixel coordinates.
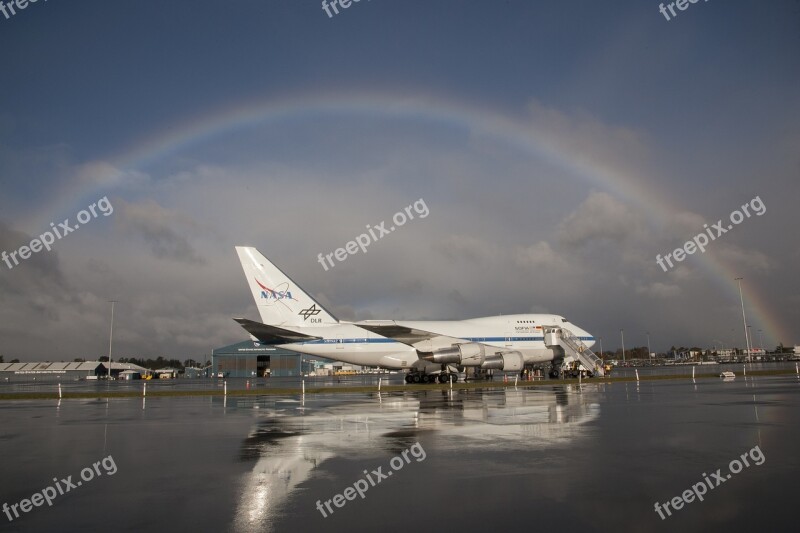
(249, 359)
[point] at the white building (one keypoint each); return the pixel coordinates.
(69, 371)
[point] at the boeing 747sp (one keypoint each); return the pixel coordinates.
(429, 350)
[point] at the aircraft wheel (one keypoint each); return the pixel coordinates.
(442, 378)
(415, 378)
(409, 378)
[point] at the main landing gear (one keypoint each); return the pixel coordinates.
(556, 369)
(421, 377)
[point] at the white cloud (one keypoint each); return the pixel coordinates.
(164, 230)
(539, 255)
(600, 217)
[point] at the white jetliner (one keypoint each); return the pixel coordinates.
(428, 349)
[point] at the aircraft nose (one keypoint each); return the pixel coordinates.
(589, 339)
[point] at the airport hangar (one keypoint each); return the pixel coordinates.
(69, 371)
(248, 359)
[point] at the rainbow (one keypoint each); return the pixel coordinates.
(526, 136)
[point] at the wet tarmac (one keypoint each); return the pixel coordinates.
(49, 383)
(591, 458)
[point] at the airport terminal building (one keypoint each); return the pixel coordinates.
(252, 359)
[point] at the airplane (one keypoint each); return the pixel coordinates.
(427, 350)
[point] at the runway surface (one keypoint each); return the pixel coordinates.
(594, 458)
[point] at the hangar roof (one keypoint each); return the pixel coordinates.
(46, 367)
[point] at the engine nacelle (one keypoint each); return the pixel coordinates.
(469, 354)
(511, 362)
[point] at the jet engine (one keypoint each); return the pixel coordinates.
(510, 361)
(474, 354)
(468, 354)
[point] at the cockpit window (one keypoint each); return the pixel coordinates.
(564, 320)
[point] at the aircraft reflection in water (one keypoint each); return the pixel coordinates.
(290, 441)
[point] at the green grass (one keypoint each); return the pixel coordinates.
(371, 388)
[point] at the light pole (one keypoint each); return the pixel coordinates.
(601, 347)
(744, 319)
(750, 337)
(649, 353)
(723, 345)
(111, 338)
(622, 335)
(761, 338)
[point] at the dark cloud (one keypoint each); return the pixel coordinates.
(39, 277)
(559, 147)
(163, 230)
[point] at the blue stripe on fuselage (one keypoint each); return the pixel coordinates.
(381, 340)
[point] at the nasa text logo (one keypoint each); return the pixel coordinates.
(281, 292)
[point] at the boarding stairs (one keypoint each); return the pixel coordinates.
(576, 350)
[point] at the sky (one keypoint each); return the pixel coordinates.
(559, 148)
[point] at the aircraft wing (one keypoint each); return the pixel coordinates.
(273, 334)
(421, 340)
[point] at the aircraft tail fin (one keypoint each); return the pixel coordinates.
(280, 301)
